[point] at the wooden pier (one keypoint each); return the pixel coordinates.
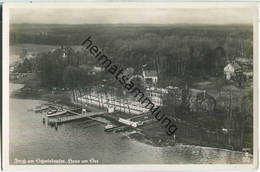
(67, 115)
(140, 115)
(41, 109)
(58, 113)
(71, 115)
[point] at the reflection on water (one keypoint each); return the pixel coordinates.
(31, 139)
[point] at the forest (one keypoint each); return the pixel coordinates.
(177, 52)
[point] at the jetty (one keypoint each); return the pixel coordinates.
(95, 117)
(41, 109)
(46, 107)
(69, 115)
(144, 114)
(57, 114)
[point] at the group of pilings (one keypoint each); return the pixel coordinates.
(50, 123)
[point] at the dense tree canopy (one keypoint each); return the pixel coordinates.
(175, 51)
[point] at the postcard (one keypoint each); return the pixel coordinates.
(140, 86)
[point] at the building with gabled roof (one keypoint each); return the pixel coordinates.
(150, 76)
(231, 69)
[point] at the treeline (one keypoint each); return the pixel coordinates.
(174, 51)
(57, 69)
(62, 67)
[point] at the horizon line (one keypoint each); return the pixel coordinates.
(218, 24)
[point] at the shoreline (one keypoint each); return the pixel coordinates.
(46, 95)
(149, 135)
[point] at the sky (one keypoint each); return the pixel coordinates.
(153, 15)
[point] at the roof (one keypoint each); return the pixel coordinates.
(195, 92)
(235, 65)
(156, 90)
(85, 67)
(150, 73)
(244, 60)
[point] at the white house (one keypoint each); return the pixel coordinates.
(231, 69)
(11, 69)
(98, 69)
(30, 56)
(150, 76)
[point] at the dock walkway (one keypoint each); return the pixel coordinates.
(140, 115)
(57, 114)
(76, 116)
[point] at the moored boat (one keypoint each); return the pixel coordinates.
(109, 127)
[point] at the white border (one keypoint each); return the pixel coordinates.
(115, 167)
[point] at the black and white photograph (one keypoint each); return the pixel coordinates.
(130, 84)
